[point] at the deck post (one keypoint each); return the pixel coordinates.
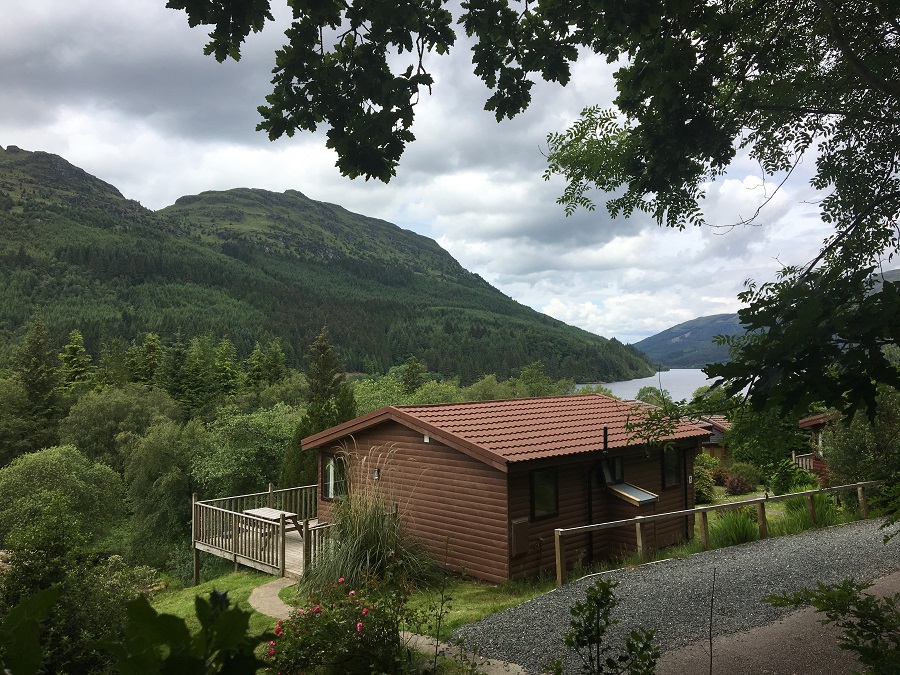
(234, 538)
(639, 536)
(270, 500)
(704, 530)
(194, 549)
(811, 508)
(560, 557)
(863, 506)
(761, 519)
(282, 533)
(307, 542)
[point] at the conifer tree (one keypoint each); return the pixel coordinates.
(273, 363)
(36, 371)
(256, 371)
(75, 362)
(144, 360)
(228, 376)
(113, 370)
(36, 368)
(330, 403)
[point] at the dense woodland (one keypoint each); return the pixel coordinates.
(254, 266)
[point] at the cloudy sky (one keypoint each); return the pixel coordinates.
(122, 89)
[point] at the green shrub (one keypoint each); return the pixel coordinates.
(721, 475)
(749, 472)
(737, 485)
(345, 629)
(732, 527)
(785, 476)
(704, 483)
(591, 619)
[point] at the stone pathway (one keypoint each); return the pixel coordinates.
(265, 600)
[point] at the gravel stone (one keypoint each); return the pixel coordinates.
(672, 597)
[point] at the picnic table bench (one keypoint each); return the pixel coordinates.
(274, 515)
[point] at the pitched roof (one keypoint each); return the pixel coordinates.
(717, 422)
(515, 430)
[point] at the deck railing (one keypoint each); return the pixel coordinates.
(701, 511)
(221, 527)
(300, 500)
(804, 461)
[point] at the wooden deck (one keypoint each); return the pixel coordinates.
(280, 535)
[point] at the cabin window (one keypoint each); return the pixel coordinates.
(671, 467)
(544, 493)
(334, 477)
(612, 470)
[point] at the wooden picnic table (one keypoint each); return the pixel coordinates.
(274, 515)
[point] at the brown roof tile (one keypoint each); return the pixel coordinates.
(518, 429)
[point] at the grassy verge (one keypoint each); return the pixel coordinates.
(239, 585)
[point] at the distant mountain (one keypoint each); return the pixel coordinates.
(690, 345)
(253, 265)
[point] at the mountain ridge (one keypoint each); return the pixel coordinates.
(254, 265)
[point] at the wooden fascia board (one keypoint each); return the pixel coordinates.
(391, 414)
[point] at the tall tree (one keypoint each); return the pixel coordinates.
(36, 371)
(330, 402)
(144, 360)
(786, 81)
(75, 362)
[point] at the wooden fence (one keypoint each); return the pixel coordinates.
(702, 512)
(220, 527)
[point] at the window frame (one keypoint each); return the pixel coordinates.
(672, 474)
(550, 473)
(337, 466)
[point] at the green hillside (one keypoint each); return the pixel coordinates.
(689, 344)
(253, 265)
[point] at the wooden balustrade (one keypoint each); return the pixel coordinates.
(221, 527)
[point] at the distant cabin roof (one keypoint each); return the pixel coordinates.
(717, 422)
(516, 430)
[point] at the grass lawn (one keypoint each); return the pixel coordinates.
(239, 585)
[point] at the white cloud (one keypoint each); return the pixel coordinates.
(122, 89)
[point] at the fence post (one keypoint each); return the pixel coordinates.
(811, 507)
(863, 506)
(560, 557)
(639, 535)
(761, 519)
(270, 501)
(196, 551)
(704, 530)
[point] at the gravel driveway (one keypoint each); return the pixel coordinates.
(673, 596)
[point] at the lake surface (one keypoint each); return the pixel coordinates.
(680, 382)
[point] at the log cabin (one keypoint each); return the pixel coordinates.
(484, 484)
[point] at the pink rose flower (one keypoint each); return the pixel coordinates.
(341, 580)
(359, 626)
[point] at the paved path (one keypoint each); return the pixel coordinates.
(265, 600)
(796, 645)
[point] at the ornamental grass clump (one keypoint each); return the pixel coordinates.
(796, 513)
(367, 540)
(733, 527)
